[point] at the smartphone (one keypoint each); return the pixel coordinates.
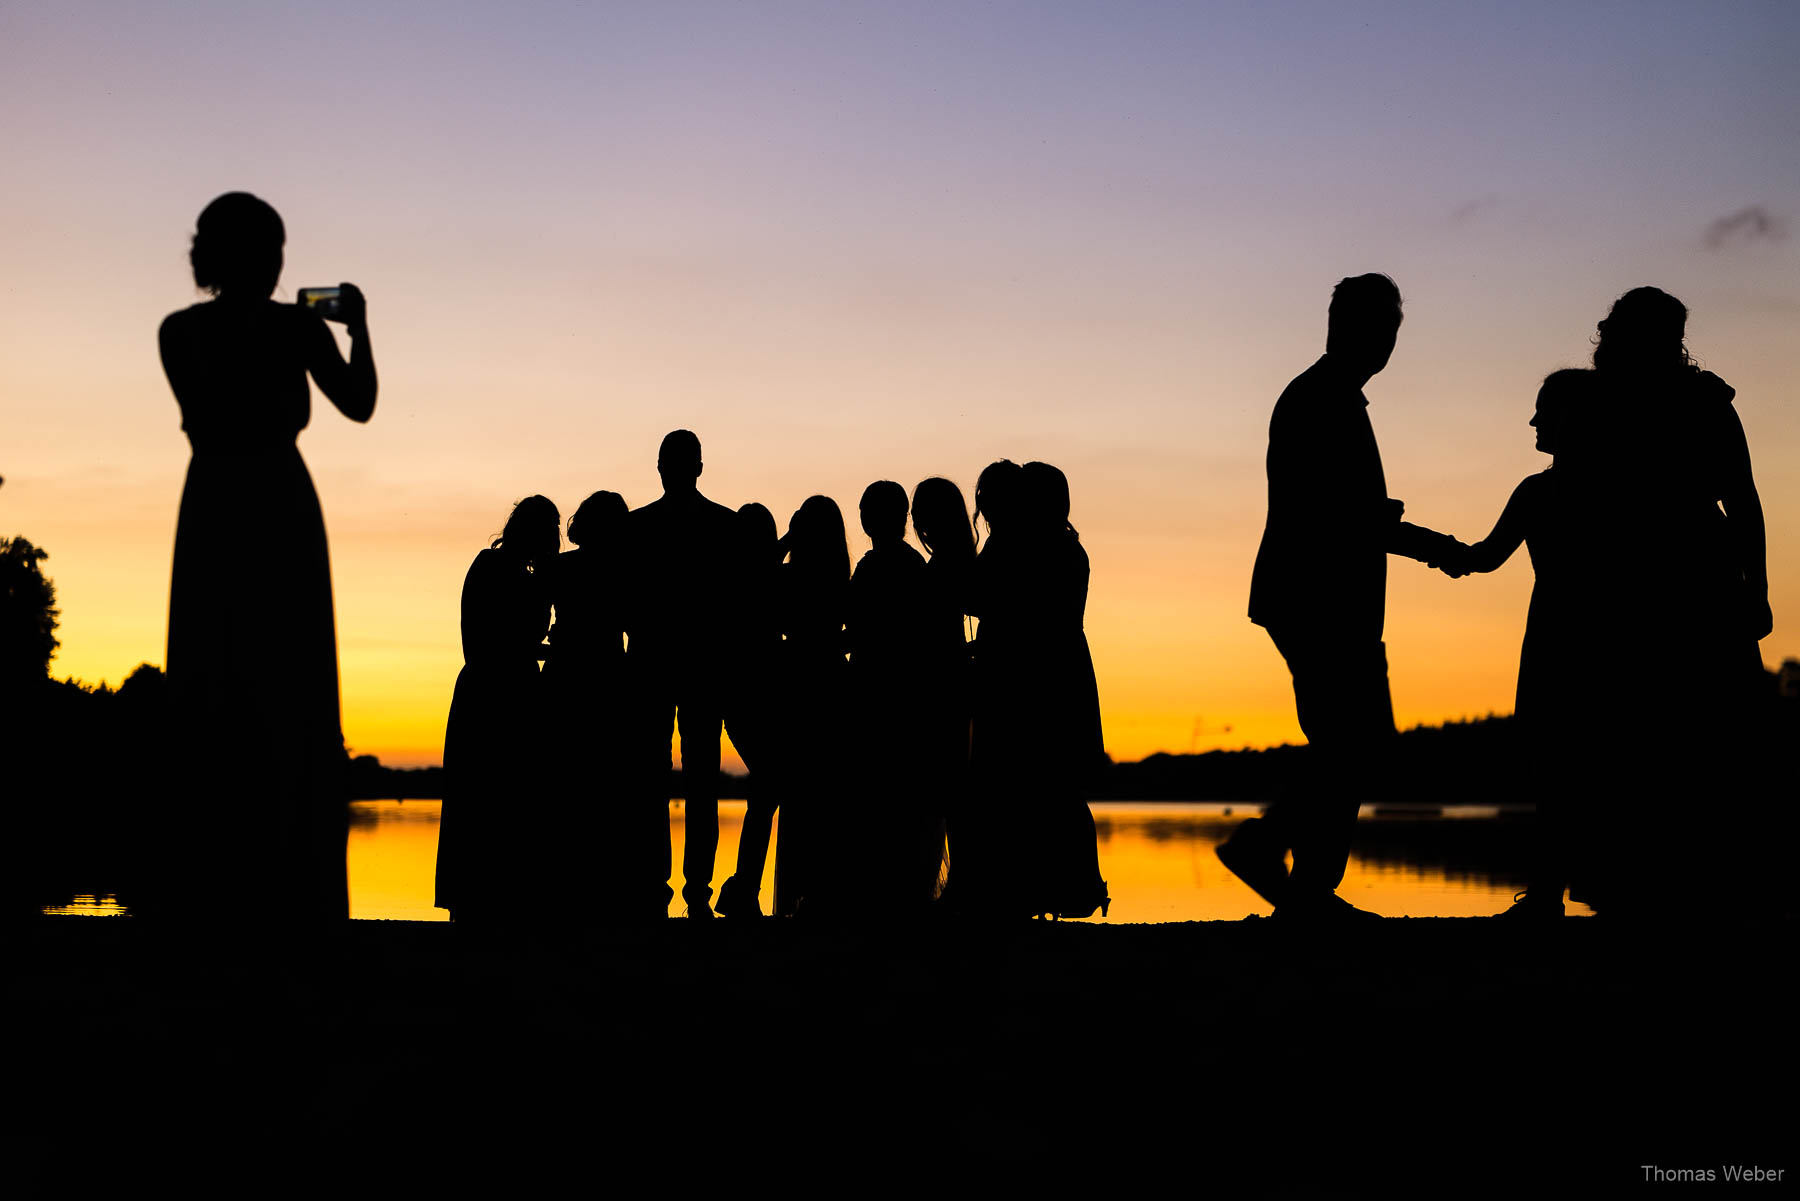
(326, 302)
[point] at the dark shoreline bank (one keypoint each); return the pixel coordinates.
(1454, 1053)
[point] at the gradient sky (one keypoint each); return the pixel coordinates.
(845, 243)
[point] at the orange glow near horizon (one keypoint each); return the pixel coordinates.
(1214, 683)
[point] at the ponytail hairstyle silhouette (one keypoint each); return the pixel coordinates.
(1643, 333)
(598, 520)
(940, 517)
(532, 529)
(817, 545)
(1045, 499)
(997, 494)
(237, 247)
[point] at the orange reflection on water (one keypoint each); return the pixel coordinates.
(392, 860)
(88, 905)
(1158, 860)
(393, 857)
(1161, 866)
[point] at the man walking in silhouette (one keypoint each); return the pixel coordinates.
(1320, 590)
(678, 630)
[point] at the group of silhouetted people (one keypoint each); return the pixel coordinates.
(1646, 533)
(912, 768)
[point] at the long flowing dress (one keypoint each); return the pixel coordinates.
(752, 695)
(1037, 739)
(948, 671)
(252, 653)
(1651, 458)
(812, 685)
(1550, 707)
(585, 689)
(494, 735)
(896, 826)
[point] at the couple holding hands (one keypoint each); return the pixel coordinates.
(1649, 452)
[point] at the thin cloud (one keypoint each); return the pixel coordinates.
(1464, 212)
(1746, 226)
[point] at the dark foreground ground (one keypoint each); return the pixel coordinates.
(1459, 1056)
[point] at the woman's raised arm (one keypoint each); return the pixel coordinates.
(350, 386)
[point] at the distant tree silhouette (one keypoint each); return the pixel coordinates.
(28, 613)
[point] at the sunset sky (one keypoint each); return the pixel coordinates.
(852, 242)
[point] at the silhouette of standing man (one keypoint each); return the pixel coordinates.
(1320, 590)
(679, 544)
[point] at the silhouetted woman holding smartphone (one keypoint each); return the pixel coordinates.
(812, 600)
(252, 655)
(497, 745)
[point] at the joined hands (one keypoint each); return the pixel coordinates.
(1452, 559)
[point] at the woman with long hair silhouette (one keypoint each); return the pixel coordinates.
(589, 596)
(1667, 432)
(812, 599)
(1659, 468)
(749, 691)
(940, 518)
(1037, 739)
(978, 881)
(496, 741)
(252, 654)
(586, 693)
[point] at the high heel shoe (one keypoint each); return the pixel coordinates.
(737, 900)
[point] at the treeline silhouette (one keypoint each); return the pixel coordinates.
(87, 783)
(1429, 766)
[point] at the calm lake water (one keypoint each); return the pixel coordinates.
(1158, 861)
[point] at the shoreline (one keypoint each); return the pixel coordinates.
(1243, 1052)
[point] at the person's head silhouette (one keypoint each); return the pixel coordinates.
(756, 530)
(940, 517)
(532, 530)
(678, 461)
(1044, 498)
(997, 494)
(758, 541)
(1363, 323)
(883, 510)
(598, 520)
(816, 543)
(1643, 332)
(237, 250)
(1560, 392)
